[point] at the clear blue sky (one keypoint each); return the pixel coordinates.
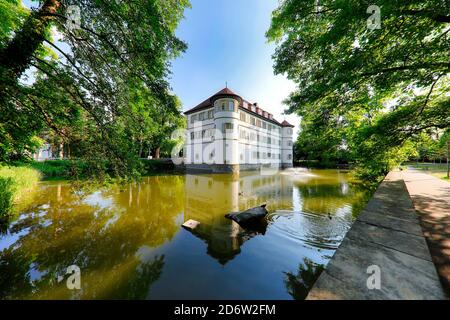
(226, 42)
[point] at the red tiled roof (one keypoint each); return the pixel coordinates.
(286, 124)
(208, 103)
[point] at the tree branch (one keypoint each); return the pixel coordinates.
(428, 14)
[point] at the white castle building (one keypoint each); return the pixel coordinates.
(226, 133)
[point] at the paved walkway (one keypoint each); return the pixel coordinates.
(431, 198)
(386, 234)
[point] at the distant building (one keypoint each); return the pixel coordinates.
(226, 133)
(49, 150)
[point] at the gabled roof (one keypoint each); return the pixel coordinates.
(226, 92)
(286, 124)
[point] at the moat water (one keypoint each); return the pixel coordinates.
(129, 244)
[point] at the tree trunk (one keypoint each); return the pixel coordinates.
(448, 164)
(15, 58)
(61, 151)
(156, 153)
(140, 148)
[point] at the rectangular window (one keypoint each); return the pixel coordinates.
(252, 120)
(258, 123)
(193, 118)
(210, 114)
(230, 106)
(227, 127)
(243, 117)
(192, 136)
(264, 125)
(289, 156)
(269, 155)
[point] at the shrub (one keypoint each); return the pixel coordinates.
(152, 166)
(61, 169)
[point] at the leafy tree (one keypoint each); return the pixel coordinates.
(322, 143)
(378, 87)
(87, 75)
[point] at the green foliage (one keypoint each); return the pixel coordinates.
(6, 196)
(61, 169)
(16, 185)
(101, 90)
(82, 169)
(12, 14)
(370, 90)
(321, 143)
(157, 166)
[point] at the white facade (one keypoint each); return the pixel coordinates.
(230, 131)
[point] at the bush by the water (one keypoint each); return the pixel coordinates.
(16, 183)
(61, 169)
(152, 166)
(78, 169)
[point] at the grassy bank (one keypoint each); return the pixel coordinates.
(16, 185)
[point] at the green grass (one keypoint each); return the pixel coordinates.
(17, 185)
(60, 169)
(439, 170)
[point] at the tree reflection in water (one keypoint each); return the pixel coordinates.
(298, 285)
(127, 240)
(100, 233)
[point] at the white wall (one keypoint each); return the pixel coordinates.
(232, 146)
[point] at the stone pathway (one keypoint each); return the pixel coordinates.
(386, 234)
(431, 198)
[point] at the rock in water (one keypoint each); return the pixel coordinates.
(191, 224)
(249, 216)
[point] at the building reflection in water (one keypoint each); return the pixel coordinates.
(210, 197)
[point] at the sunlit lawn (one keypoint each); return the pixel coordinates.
(438, 170)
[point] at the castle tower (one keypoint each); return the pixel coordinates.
(226, 120)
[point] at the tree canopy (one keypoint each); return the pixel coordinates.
(97, 82)
(375, 89)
